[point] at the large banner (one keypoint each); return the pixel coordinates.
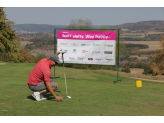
(87, 47)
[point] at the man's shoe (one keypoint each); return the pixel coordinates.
(37, 97)
(42, 97)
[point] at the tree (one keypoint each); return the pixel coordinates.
(9, 42)
(26, 56)
(157, 61)
(80, 24)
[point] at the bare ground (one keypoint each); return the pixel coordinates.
(2, 63)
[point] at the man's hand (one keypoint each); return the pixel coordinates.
(57, 53)
(60, 99)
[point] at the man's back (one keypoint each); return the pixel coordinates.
(41, 72)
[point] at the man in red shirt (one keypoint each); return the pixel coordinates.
(40, 80)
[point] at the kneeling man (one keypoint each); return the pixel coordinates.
(40, 81)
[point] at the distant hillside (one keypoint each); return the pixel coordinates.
(141, 26)
(32, 28)
(24, 28)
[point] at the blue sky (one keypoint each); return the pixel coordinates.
(98, 15)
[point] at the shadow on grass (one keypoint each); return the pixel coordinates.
(32, 98)
(48, 95)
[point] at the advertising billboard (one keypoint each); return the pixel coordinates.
(87, 47)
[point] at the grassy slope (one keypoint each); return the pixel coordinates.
(93, 94)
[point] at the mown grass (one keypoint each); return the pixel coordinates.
(93, 94)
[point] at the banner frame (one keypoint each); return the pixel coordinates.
(117, 39)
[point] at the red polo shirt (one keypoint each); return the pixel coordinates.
(41, 72)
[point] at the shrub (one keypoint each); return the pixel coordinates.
(148, 70)
(39, 56)
(126, 70)
(26, 56)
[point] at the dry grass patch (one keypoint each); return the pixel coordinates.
(143, 35)
(25, 42)
(2, 63)
(136, 71)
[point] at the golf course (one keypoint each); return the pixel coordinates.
(93, 94)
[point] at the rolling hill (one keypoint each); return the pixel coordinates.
(32, 28)
(35, 27)
(139, 26)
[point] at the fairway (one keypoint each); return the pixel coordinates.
(93, 94)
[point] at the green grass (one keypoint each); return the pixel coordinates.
(2, 62)
(93, 94)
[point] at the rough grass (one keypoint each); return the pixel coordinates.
(93, 94)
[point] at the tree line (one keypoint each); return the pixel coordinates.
(140, 46)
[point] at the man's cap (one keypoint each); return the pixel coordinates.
(55, 58)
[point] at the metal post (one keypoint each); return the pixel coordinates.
(54, 47)
(55, 42)
(118, 56)
(117, 59)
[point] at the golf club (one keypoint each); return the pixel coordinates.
(64, 51)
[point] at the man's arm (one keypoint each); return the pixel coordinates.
(52, 92)
(57, 53)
